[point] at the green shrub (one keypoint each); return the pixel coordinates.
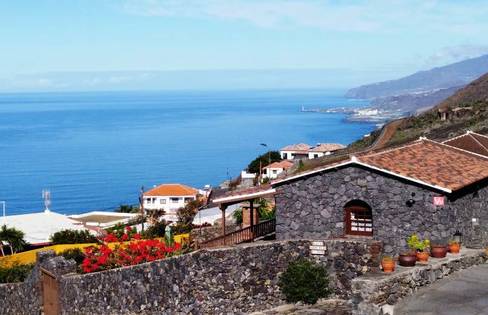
(74, 253)
(156, 230)
(73, 237)
(15, 273)
(237, 215)
(304, 281)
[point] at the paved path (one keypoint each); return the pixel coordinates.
(463, 293)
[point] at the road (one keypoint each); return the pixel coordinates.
(463, 293)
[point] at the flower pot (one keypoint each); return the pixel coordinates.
(407, 259)
(423, 256)
(438, 251)
(454, 248)
(388, 265)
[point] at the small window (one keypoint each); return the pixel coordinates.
(175, 200)
(162, 201)
(188, 199)
(275, 172)
(285, 156)
(316, 156)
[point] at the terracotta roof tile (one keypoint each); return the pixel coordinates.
(430, 162)
(171, 190)
(285, 164)
(300, 147)
(470, 141)
(327, 147)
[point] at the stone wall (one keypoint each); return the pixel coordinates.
(219, 281)
(377, 294)
(313, 207)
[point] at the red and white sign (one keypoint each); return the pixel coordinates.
(438, 200)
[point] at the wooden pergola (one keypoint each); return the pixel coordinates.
(251, 232)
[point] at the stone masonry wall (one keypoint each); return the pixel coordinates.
(313, 207)
(219, 281)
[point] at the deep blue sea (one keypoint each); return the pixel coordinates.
(93, 151)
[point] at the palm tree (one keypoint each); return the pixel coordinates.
(13, 237)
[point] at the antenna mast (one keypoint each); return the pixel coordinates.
(46, 195)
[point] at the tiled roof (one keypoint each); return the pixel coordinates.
(432, 163)
(245, 194)
(470, 141)
(327, 147)
(426, 162)
(300, 147)
(285, 164)
(171, 190)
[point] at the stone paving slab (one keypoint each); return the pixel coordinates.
(322, 307)
(463, 293)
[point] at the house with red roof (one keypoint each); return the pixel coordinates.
(425, 187)
(170, 198)
(273, 170)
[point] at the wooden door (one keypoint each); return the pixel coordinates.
(359, 220)
(50, 293)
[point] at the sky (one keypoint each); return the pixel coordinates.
(119, 44)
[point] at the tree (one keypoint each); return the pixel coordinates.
(263, 160)
(186, 215)
(128, 209)
(14, 238)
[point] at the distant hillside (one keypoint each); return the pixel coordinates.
(467, 109)
(453, 75)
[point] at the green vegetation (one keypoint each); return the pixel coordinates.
(74, 253)
(186, 215)
(263, 160)
(304, 281)
(73, 237)
(263, 208)
(15, 273)
(157, 229)
(14, 238)
(415, 243)
(128, 209)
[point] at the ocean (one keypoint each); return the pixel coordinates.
(94, 151)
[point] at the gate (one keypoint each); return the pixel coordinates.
(50, 293)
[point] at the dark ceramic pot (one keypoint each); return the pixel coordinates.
(407, 259)
(438, 251)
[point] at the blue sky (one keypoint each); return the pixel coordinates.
(350, 42)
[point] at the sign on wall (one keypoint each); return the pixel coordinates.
(438, 200)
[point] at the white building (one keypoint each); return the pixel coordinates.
(295, 151)
(273, 170)
(103, 219)
(322, 149)
(170, 198)
(39, 226)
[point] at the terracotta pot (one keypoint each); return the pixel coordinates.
(438, 251)
(388, 265)
(454, 248)
(423, 256)
(407, 259)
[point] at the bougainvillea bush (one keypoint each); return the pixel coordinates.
(134, 251)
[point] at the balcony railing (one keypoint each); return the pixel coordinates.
(243, 235)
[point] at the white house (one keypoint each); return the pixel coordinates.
(295, 151)
(322, 149)
(274, 169)
(170, 197)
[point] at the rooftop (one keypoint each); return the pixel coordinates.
(327, 147)
(300, 147)
(470, 141)
(424, 161)
(285, 164)
(39, 226)
(172, 190)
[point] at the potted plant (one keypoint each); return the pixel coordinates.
(420, 246)
(388, 264)
(438, 250)
(454, 247)
(407, 259)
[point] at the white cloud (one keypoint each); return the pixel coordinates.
(451, 54)
(356, 16)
